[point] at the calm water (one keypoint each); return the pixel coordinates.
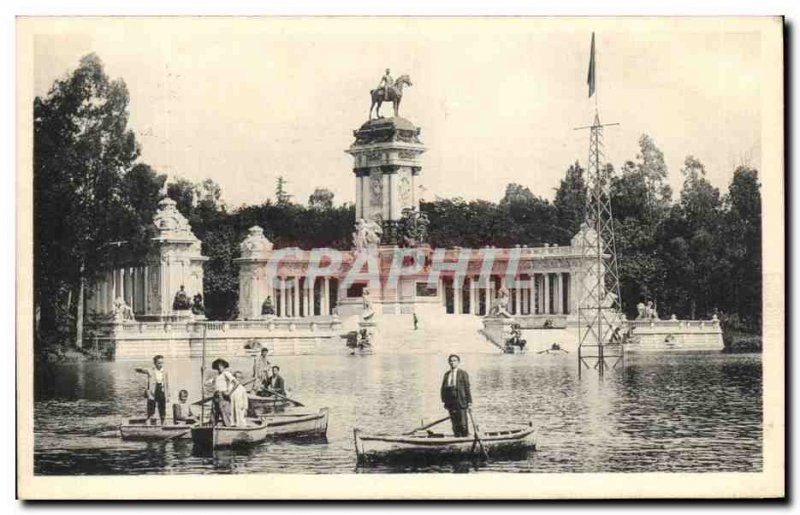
(681, 412)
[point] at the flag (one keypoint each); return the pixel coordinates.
(590, 78)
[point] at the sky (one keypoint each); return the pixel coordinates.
(243, 101)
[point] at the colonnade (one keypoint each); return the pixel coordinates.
(538, 294)
(296, 297)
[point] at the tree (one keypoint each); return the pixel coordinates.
(82, 151)
(182, 191)
(282, 198)
(570, 201)
(322, 198)
(516, 193)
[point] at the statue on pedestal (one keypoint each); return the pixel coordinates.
(181, 302)
(500, 305)
(367, 234)
(122, 312)
(413, 227)
(366, 313)
(388, 90)
(267, 308)
(197, 305)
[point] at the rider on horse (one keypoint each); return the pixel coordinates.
(386, 82)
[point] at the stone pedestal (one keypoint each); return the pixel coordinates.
(387, 159)
(371, 328)
(174, 261)
(498, 329)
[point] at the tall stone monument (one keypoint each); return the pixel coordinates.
(174, 263)
(387, 154)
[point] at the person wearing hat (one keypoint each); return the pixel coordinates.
(230, 397)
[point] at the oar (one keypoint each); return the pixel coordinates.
(427, 425)
(477, 436)
(206, 399)
(296, 403)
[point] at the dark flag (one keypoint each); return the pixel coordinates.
(590, 78)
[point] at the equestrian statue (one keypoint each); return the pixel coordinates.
(388, 90)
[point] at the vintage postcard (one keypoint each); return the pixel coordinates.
(350, 258)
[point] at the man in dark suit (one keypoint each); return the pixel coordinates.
(456, 396)
(277, 384)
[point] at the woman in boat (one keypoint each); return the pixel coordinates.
(228, 388)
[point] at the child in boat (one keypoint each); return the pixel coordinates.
(182, 410)
(157, 389)
(228, 390)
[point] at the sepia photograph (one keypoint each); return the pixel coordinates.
(360, 255)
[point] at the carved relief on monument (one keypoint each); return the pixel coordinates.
(374, 157)
(376, 188)
(404, 192)
(407, 154)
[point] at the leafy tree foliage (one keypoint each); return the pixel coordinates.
(322, 199)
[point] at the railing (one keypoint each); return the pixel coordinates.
(712, 324)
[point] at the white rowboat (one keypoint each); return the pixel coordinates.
(424, 446)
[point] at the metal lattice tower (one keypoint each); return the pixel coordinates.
(599, 310)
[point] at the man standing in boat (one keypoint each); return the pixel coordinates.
(456, 396)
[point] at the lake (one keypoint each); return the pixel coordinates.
(699, 412)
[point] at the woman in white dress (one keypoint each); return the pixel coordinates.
(228, 388)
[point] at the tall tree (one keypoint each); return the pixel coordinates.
(321, 199)
(82, 150)
(282, 197)
(570, 201)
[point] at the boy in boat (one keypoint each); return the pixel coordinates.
(277, 384)
(157, 389)
(456, 395)
(181, 410)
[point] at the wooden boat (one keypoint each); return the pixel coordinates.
(428, 446)
(137, 429)
(209, 436)
(298, 424)
(258, 406)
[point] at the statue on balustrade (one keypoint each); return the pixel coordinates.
(267, 308)
(366, 313)
(197, 305)
(122, 312)
(640, 311)
(181, 302)
(500, 304)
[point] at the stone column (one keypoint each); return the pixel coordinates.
(326, 297)
(296, 291)
(547, 306)
(473, 295)
(518, 303)
(458, 305)
(281, 292)
(560, 303)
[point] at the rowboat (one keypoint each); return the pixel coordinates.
(429, 446)
(258, 405)
(297, 424)
(137, 429)
(208, 436)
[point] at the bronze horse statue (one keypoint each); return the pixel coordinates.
(394, 94)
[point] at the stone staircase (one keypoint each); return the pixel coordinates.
(439, 334)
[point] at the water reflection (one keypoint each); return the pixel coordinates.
(690, 412)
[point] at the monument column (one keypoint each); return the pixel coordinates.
(560, 302)
(386, 154)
